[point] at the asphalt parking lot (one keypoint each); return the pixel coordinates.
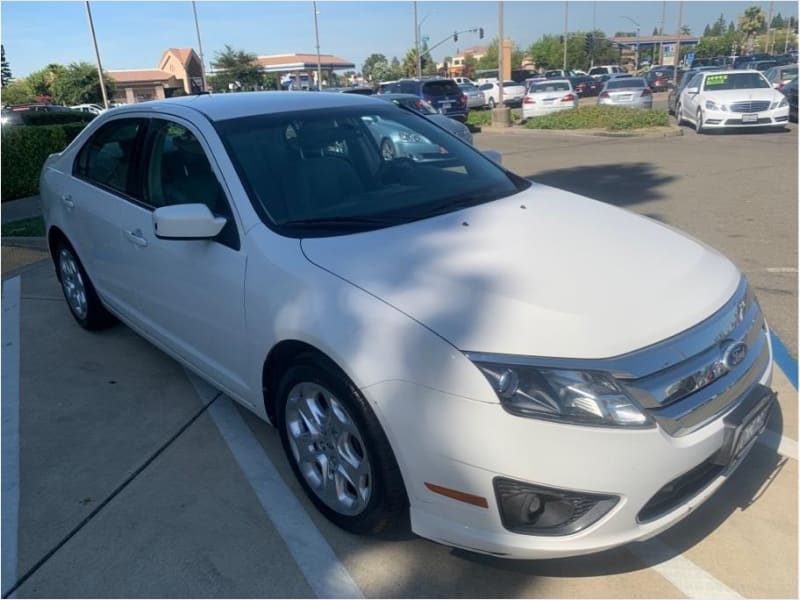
(125, 476)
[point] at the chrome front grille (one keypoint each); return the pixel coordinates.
(731, 355)
(749, 106)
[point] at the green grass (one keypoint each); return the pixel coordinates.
(479, 118)
(609, 118)
(33, 227)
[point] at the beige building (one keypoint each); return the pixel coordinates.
(179, 72)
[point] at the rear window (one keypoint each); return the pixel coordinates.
(510, 84)
(625, 82)
(486, 86)
(556, 86)
(441, 88)
(598, 71)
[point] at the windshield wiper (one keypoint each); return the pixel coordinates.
(325, 222)
(456, 203)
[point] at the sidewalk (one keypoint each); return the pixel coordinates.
(24, 208)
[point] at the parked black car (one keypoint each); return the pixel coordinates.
(586, 86)
(443, 94)
(660, 79)
(790, 91)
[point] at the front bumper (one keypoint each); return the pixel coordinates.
(645, 103)
(465, 444)
(717, 119)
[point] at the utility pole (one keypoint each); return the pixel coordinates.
(566, 15)
(416, 41)
(678, 46)
(97, 56)
(500, 53)
(788, 33)
(768, 45)
(200, 47)
(661, 32)
(319, 61)
(594, 19)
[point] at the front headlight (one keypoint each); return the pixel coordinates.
(572, 396)
(782, 103)
(407, 136)
(711, 105)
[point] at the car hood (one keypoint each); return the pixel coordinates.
(456, 128)
(540, 273)
(738, 95)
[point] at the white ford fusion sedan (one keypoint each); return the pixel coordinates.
(528, 372)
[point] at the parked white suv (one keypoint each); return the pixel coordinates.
(530, 372)
(605, 70)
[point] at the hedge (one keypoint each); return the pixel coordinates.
(610, 118)
(25, 148)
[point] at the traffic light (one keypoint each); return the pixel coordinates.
(589, 43)
(455, 36)
(480, 33)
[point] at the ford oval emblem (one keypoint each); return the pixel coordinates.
(734, 354)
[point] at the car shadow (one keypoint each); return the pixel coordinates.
(613, 183)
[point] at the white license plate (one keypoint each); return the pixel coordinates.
(445, 105)
(751, 429)
(753, 118)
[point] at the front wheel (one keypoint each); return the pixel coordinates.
(492, 103)
(81, 297)
(337, 449)
(679, 114)
(388, 151)
(698, 122)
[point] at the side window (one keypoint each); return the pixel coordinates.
(178, 172)
(407, 87)
(695, 81)
(107, 157)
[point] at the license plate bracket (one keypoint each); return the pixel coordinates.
(744, 424)
(750, 118)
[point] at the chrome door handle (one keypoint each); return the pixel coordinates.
(67, 200)
(136, 237)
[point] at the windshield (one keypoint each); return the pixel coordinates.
(554, 86)
(734, 81)
(441, 88)
(337, 171)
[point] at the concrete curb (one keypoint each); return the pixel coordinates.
(665, 132)
(31, 243)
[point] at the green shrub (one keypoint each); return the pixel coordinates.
(479, 117)
(609, 118)
(31, 117)
(25, 148)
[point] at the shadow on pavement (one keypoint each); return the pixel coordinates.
(613, 183)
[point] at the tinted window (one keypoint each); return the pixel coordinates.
(107, 157)
(597, 71)
(619, 83)
(735, 81)
(486, 86)
(405, 87)
(556, 86)
(335, 171)
(441, 88)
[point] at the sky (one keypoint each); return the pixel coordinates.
(133, 35)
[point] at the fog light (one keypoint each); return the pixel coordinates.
(538, 510)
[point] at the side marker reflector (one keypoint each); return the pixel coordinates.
(456, 495)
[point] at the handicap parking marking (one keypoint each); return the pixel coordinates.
(323, 571)
(10, 430)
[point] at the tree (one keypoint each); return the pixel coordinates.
(236, 67)
(5, 70)
(18, 92)
(778, 22)
(395, 69)
(731, 27)
(707, 31)
(370, 64)
(686, 30)
(490, 59)
(655, 31)
(719, 26)
(751, 22)
(470, 64)
(78, 84)
(41, 81)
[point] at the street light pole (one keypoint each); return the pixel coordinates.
(416, 41)
(200, 47)
(638, 29)
(677, 53)
(661, 33)
(566, 39)
(97, 56)
(500, 53)
(319, 61)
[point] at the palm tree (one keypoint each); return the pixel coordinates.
(751, 22)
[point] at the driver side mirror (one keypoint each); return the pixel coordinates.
(186, 222)
(494, 156)
(692, 90)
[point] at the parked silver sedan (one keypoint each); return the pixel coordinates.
(475, 97)
(626, 91)
(424, 108)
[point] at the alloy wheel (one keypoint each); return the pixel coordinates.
(72, 283)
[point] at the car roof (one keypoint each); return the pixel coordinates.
(219, 107)
(549, 81)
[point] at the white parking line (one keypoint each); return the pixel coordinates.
(321, 568)
(10, 431)
(680, 571)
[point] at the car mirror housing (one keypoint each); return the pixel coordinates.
(692, 90)
(186, 221)
(494, 156)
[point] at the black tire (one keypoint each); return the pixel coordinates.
(698, 122)
(679, 114)
(492, 103)
(387, 500)
(82, 299)
(388, 150)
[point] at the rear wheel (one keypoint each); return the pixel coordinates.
(337, 449)
(81, 297)
(679, 114)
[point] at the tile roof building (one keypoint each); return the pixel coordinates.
(179, 71)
